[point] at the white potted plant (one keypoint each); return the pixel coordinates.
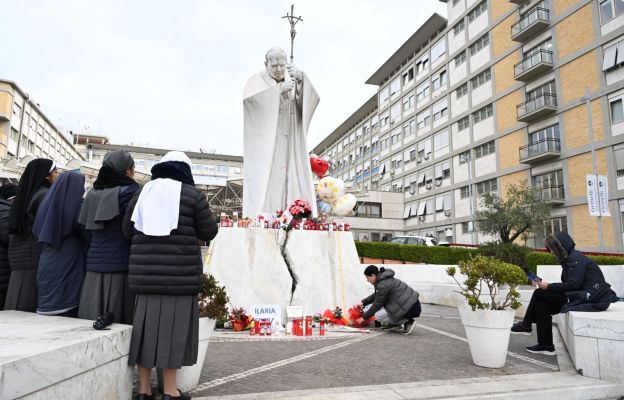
(213, 302)
(486, 317)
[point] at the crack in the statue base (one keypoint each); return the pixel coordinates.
(288, 262)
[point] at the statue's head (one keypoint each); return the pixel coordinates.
(275, 63)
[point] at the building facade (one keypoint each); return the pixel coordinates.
(501, 92)
(25, 131)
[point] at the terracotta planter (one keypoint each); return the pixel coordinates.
(237, 326)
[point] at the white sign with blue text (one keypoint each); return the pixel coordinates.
(271, 312)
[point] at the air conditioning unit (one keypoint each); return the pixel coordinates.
(419, 160)
(429, 186)
(447, 213)
(427, 156)
(438, 182)
(421, 218)
(412, 192)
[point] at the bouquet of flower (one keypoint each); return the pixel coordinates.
(335, 317)
(239, 318)
(356, 312)
(300, 209)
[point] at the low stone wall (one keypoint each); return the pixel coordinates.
(45, 357)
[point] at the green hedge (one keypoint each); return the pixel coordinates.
(538, 258)
(413, 253)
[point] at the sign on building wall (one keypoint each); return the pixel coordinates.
(597, 195)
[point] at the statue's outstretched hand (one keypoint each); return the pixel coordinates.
(287, 86)
(295, 72)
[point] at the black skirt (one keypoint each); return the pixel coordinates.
(22, 291)
(103, 292)
(165, 331)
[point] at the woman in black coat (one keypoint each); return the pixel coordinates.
(105, 287)
(7, 192)
(24, 249)
(165, 220)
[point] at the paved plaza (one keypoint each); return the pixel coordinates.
(434, 362)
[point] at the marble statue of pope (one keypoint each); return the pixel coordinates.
(278, 103)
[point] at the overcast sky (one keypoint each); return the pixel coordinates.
(170, 74)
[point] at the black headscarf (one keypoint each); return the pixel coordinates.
(113, 170)
(58, 212)
(176, 170)
(32, 179)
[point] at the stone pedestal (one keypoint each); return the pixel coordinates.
(44, 357)
(249, 263)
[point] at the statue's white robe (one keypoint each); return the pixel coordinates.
(267, 141)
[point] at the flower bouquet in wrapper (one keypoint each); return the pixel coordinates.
(335, 317)
(355, 313)
(240, 319)
(300, 209)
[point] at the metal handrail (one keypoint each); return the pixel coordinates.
(540, 147)
(543, 100)
(531, 17)
(532, 60)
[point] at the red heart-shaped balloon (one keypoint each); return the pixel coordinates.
(319, 166)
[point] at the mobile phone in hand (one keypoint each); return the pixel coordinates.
(534, 277)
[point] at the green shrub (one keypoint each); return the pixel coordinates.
(538, 258)
(414, 253)
(484, 272)
(508, 252)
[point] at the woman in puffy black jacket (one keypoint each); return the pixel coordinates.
(165, 220)
(24, 248)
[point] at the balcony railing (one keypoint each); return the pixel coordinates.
(555, 194)
(531, 23)
(535, 64)
(540, 150)
(543, 104)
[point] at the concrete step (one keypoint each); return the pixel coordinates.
(547, 386)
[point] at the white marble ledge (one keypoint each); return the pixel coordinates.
(38, 351)
(607, 324)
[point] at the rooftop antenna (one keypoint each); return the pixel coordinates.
(293, 21)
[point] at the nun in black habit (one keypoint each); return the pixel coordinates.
(24, 248)
(61, 266)
(105, 287)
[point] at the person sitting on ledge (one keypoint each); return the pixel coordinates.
(398, 299)
(582, 288)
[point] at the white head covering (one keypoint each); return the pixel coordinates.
(158, 208)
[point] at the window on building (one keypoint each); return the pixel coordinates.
(461, 91)
(483, 113)
(395, 112)
(481, 79)
(619, 161)
(617, 109)
(438, 50)
(384, 96)
(424, 119)
(548, 88)
(551, 226)
(545, 45)
(610, 9)
(439, 81)
(459, 27)
(549, 185)
(485, 149)
(442, 171)
(466, 227)
(395, 86)
(460, 58)
(488, 186)
(384, 118)
(440, 140)
(409, 101)
(482, 42)
(408, 76)
(464, 192)
(422, 91)
(440, 109)
(422, 64)
(463, 123)
(396, 136)
(477, 11)
(368, 210)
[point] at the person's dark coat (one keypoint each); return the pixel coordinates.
(394, 295)
(171, 265)
(24, 248)
(109, 250)
(582, 281)
(5, 269)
